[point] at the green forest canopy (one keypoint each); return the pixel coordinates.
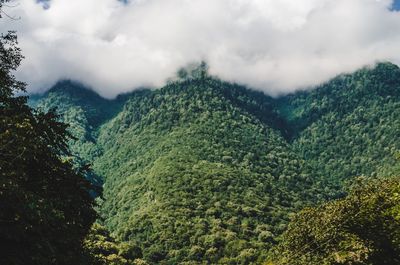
(207, 171)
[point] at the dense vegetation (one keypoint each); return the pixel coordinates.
(349, 126)
(102, 249)
(46, 209)
(363, 228)
(199, 172)
(203, 171)
(196, 171)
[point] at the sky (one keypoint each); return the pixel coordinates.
(275, 46)
(396, 5)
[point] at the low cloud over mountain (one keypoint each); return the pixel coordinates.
(277, 46)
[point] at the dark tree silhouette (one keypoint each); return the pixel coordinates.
(46, 209)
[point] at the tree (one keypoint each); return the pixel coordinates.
(362, 228)
(46, 208)
(104, 250)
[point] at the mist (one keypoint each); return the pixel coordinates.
(276, 46)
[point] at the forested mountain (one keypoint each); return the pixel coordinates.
(349, 126)
(82, 109)
(204, 171)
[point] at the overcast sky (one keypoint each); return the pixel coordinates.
(277, 46)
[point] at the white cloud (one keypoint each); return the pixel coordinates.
(277, 46)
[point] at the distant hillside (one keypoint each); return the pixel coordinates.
(349, 126)
(206, 171)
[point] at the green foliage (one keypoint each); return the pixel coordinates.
(193, 71)
(41, 196)
(349, 126)
(102, 249)
(46, 209)
(193, 176)
(203, 171)
(197, 171)
(363, 228)
(84, 111)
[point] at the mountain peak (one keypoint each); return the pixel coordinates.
(74, 89)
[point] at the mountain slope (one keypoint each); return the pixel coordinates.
(193, 175)
(203, 171)
(83, 110)
(349, 126)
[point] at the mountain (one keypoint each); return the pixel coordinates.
(349, 126)
(204, 171)
(82, 109)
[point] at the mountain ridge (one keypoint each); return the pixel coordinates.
(79, 91)
(207, 171)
